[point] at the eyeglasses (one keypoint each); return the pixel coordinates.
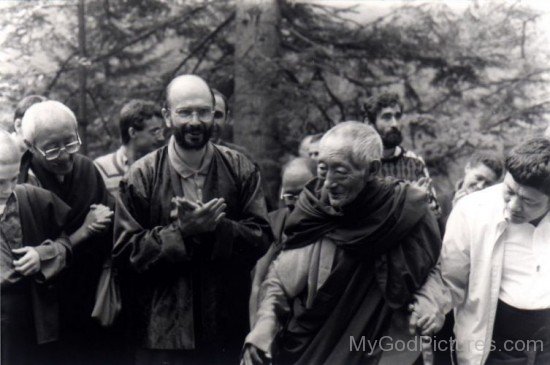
(187, 114)
(53, 153)
(219, 115)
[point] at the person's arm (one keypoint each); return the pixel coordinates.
(285, 280)
(137, 246)
(447, 284)
(249, 237)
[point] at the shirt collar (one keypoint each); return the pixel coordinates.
(183, 169)
(397, 152)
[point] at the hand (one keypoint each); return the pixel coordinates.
(423, 183)
(98, 219)
(196, 218)
(254, 356)
(29, 263)
(426, 324)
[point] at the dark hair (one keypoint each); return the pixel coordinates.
(217, 92)
(490, 160)
(25, 104)
(133, 114)
(529, 164)
(376, 103)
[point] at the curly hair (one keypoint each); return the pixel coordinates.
(529, 164)
(376, 103)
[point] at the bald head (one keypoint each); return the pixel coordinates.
(45, 118)
(187, 87)
(9, 161)
(299, 171)
(9, 153)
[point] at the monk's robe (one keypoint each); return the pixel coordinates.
(81, 188)
(30, 304)
(190, 293)
(345, 274)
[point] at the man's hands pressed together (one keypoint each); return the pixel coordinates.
(197, 217)
(29, 263)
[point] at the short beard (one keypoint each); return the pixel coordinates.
(179, 135)
(392, 138)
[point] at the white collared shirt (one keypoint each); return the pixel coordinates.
(526, 271)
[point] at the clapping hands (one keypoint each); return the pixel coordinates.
(197, 217)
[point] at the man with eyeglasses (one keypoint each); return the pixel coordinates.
(50, 132)
(141, 131)
(190, 223)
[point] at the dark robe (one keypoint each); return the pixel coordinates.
(81, 188)
(30, 305)
(190, 293)
(387, 241)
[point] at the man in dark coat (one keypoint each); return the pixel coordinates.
(357, 248)
(190, 224)
(50, 131)
(33, 250)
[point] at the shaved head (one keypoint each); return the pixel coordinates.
(46, 117)
(9, 153)
(187, 86)
(299, 171)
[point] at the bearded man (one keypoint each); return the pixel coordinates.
(357, 248)
(191, 222)
(384, 113)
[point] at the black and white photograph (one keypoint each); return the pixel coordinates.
(275, 182)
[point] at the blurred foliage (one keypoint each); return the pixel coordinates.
(475, 79)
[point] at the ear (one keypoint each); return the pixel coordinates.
(132, 132)
(166, 115)
(374, 167)
(17, 125)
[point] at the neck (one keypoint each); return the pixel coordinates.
(388, 152)
(131, 153)
(536, 222)
(193, 158)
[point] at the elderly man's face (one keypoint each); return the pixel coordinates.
(478, 177)
(343, 180)
(523, 204)
(388, 125)
(52, 136)
(191, 114)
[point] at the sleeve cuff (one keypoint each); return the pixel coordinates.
(173, 245)
(262, 336)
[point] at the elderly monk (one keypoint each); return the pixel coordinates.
(50, 132)
(191, 222)
(33, 251)
(357, 248)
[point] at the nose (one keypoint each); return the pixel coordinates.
(394, 122)
(481, 185)
(515, 204)
(329, 181)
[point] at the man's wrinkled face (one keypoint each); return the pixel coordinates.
(51, 136)
(389, 127)
(293, 184)
(478, 177)
(8, 179)
(151, 137)
(523, 204)
(190, 115)
(343, 180)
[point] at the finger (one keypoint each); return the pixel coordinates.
(432, 329)
(211, 203)
(220, 210)
(31, 270)
(98, 227)
(24, 267)
(254, 354)
(411, 307)
(412, 323)
(424, 321)
(219, 218)
(246, 358)
(21, 250)
(23, 260)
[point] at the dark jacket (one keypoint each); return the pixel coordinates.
(189, 292)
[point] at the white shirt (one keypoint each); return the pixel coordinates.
(526, 271)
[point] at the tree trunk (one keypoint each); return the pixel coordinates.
(256, 94)
(82, 112)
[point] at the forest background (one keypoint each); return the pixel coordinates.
(473, 75)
